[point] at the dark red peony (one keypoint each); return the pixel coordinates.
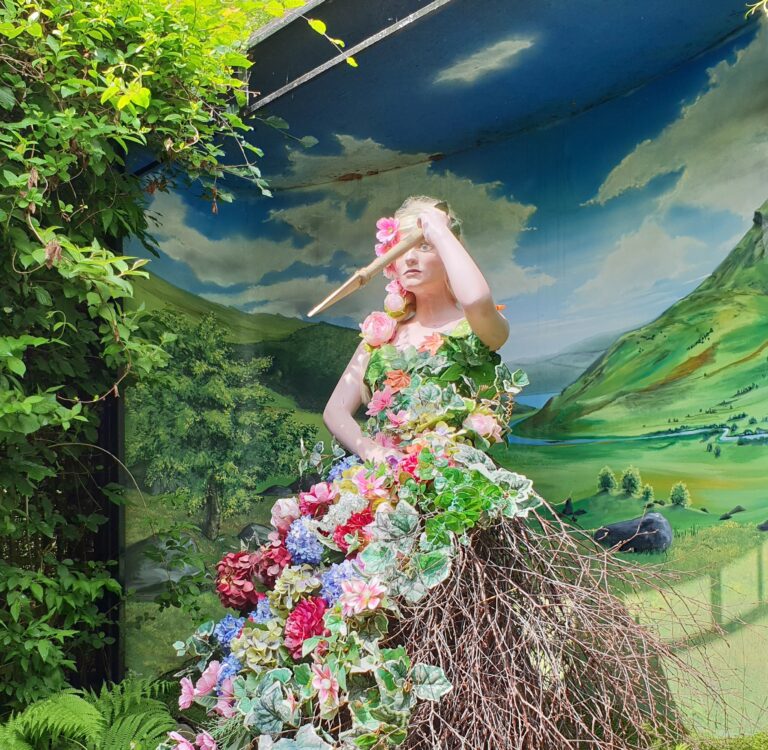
(354, 525)
(234, 580)
(305, 622)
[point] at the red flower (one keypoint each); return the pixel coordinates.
(409, 464)
(272, 558)
(354, 525)
(234, 580)
(304, 622)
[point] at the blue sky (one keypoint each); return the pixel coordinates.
(591, 225)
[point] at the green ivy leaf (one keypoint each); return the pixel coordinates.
(429, 682)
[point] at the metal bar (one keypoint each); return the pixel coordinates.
(347, 53)
(266, 31)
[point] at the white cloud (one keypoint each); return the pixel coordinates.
(492, 225)
(495, 57)
(636, 264)
(719, 142)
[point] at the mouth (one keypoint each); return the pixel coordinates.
(411, 272)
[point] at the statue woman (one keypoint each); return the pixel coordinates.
(420, 595)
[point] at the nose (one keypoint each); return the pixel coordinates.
(411, 257)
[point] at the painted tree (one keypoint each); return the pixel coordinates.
(680, 495)
(206, 426)
(606, 480)
(631, 481)
(646, 494)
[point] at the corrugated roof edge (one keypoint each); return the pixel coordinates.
(273, 26)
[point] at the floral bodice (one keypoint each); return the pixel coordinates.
(451, 387)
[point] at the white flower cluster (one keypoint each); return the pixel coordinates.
(340, 512)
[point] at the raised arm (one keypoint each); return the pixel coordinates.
(343, 404)
(467, 281)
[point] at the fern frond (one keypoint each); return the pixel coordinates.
(63, 716)
(146, 729)
(124, 698)
(10, 739)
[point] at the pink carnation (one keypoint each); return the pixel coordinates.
(315, 502)
(205, 741)
(484, 425)
(284, 512)
(387, 227)
(378, 328)
(360, 595)
(304, 622)
(187, 697)
(379, 401)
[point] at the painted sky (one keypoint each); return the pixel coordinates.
(593, 224)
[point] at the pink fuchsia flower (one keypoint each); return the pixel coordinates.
(304, 622)
(378, 328)
(315, 502)
(360, 595)
(394, 304)
(205, 741)
(356, 525)
(369, 485)
(326, 684)
(284, 512)
(398, 419)
(208, 679)
(388, 229)
(234, 580)
(182, 743)
(379, 401)
(187, 697)
(225, 705)
(484, 425)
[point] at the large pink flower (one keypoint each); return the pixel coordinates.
(316, 502)
(234, 580)
(378, 328)
(284, 512)
(182, 743)
(370, 485)
(326, 684)
(484, 425)
(304, 622)
(388, 229)
(360, 595)
(187, 697)
(208, 679)
(379, 401)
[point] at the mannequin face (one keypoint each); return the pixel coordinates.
(421, 269)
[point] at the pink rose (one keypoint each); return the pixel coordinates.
(394, 304)
(484, 425)
(284, 512)
(187, 697)
(205, 741)
(378, 328)
(379, 401)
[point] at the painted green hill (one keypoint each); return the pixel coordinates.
(245, 328)
(704, 361)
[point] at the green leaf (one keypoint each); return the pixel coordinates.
(429, 682)
(317, 25)
(7, 99)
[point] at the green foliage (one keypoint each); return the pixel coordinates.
(646, 494)
(631, 481)
(122, 717)
(606, 480)
(81, 82)
(679, 495)
(206, 423)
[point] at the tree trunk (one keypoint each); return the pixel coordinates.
(212, 525)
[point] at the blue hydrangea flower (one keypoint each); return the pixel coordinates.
(227, 629)
(333, 578)
(303, 544)
(342, 465)
(262, 613)
(229, 668)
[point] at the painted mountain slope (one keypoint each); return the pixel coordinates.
(703, 361)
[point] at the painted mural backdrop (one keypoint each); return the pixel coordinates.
(629, 246)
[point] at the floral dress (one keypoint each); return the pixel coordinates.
(305, 662)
